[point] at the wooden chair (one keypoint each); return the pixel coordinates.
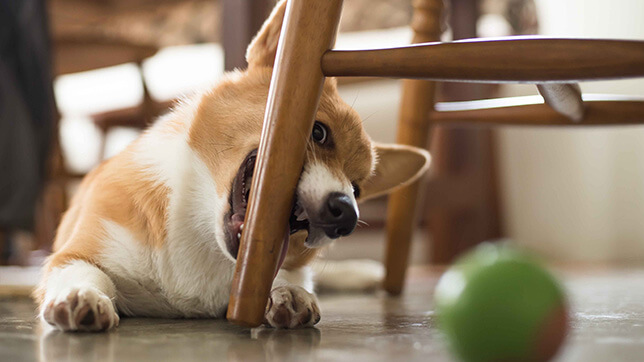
(79, 54)
(304, 59)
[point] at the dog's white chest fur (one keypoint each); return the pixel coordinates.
(188, 276)
(162, 284)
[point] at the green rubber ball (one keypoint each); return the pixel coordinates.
(498, 304)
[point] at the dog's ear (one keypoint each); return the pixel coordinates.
(262, 50)
(397, 166)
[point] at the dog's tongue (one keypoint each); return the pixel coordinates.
(284, 249)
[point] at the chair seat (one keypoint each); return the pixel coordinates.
(79, 55)
(600, 110)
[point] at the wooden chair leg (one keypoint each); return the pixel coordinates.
(413, 129)
(465, 157)
(308, 31)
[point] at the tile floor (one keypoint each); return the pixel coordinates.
(607, 325)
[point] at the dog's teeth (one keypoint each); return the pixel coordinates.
(301, 215)
(238, 235)
(241, 227)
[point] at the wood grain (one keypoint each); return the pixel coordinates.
(506, 60)
(308, 31)
(463, 158)
(240, 20)
(79, 55)
(413, 129)
(531, 111)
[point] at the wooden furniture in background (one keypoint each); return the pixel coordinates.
(507, 60)
(79, 54)
(463, 159)
(302, 63)
(413, 129)
(88, 35)
(241, 19)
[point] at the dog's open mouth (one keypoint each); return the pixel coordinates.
(239, 202)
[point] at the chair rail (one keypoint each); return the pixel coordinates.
(600, 110)
(500, 60)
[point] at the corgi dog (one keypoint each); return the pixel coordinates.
(154, 231)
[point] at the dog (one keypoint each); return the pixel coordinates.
(154, 231)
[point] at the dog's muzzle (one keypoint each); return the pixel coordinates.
(338, 216)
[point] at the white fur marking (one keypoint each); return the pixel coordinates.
(302, 277)
(77, 274)
(317, 182)
(75, 288)
(190, 274)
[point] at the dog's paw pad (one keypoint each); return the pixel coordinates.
(81, 309)
(291, 307)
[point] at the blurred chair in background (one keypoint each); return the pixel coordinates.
(78, 49)
(93, 34)
(554, 65)
(464, 160)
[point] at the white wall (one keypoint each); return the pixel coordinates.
(579, 194)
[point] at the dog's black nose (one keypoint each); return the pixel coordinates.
(338, 216)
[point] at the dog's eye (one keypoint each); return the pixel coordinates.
(319, 133)
(356, 190)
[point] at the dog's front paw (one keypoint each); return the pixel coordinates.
(291, 307)
(80, 309)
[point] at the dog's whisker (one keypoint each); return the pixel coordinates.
(224, 150)
(226, 135)
(355, 98)
(324, 265)
(220, 144)
(367, 117)
(362, 223)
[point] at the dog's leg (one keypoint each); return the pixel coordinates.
(292, 303)
(79, 297)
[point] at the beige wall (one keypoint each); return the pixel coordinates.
(568, 194)
(579, 194)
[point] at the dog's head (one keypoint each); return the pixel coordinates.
(342, 165)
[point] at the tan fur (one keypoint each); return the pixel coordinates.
(298, 255)
(261, 51)
(222, 127)
(232, 114)
(114, 191)
(228, 124)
